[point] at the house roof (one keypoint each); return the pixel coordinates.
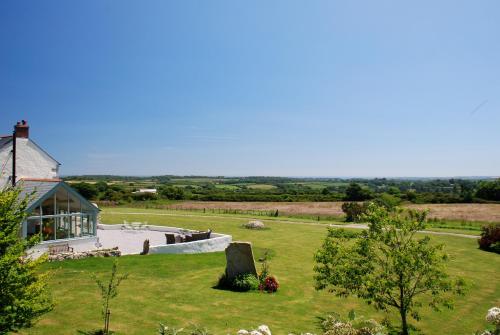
(41, 189)
(4, 141)
(38, 189)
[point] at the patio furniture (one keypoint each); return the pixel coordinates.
(136, 225)
(126, 225)
(59, 248)
(198, 236)
(170, 238)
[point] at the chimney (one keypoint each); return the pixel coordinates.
(22, 129)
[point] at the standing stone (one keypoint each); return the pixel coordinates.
(239, 260)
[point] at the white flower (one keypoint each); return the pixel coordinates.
(493, 316)
(242, 332)
(255, 332)
(264, 330)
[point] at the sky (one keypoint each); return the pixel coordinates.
(247, 88)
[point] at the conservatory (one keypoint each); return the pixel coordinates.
(56, 211)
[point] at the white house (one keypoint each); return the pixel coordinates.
(56, 212)
(146, 190)
(31, 160)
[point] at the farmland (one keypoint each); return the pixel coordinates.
(453, 204)
(284, 189)
(456, 212)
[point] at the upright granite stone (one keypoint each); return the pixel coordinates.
(239, 260)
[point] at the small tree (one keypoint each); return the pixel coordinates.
(387, 265)
(23, 289)
(109, 290)
(355, 192)
(490, 238)
(354, 211)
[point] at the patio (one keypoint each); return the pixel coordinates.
(129, 239)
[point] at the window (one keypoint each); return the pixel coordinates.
(48, 229)
(33, 226)
(61, 216)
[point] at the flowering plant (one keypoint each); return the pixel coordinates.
(269, 285)
(493, 317)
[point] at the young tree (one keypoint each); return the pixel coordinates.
(387, 265)
(109, 290)
(23, 290)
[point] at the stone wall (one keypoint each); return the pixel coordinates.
(85, 254)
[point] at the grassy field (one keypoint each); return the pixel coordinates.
(452, 212)
(456, 218)
(178, 289)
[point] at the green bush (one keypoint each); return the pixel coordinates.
(241, 283)
(490, 238)
(247, 282)
(354, 211)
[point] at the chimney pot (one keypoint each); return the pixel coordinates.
(22, 129)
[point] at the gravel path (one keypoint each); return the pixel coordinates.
(351, 225)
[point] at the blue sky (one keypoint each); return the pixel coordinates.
(289, 88)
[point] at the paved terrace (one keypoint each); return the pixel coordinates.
(129, 241)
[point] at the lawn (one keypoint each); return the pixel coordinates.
(178, 289)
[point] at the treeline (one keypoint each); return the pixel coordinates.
(291, 190)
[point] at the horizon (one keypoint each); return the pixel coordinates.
(289, 177)
(272, 89)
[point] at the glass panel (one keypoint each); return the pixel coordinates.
(76, 225)
(48, 231)
(87, 225)
(74, 205)
(33, 227)
(48, 206)
(86, 208)
(35, 211)
(62, 201)
(63, 229)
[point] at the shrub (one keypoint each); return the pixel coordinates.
(335, 325)
(489, 190)
(493, 318)
(387, 200)
(246, 282)
(242, 283)
(25, 294)
(270, 285)
(355, 192)
(490, 238)
(354, 211)
(167, 330)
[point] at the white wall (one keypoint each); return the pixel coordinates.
(31, 162)
(217, 242)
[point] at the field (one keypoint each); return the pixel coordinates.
(178, 289)
(455, 212)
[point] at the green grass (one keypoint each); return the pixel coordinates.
(226, 187)
(261, 187)
(178, 289)
(162, 207)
